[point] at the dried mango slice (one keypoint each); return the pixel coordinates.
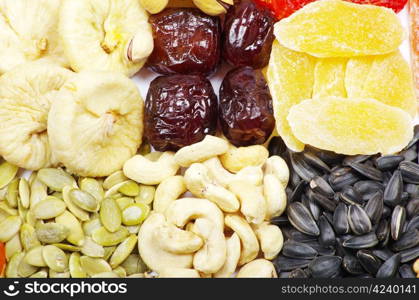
(351, 126)
(329, 77)
(387, 78)
(335, 28)
(290, 78)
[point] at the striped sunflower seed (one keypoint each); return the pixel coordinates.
(76, 235)
(49, 208)
(7, 173)
(9, 227)
(110, 215)
(55, 258)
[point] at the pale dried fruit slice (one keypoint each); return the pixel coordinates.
(329, 77)
(290, 77)
(105, 30)
(414, 40)
(335, 28)
(26, 94)
(351, 126)
(97, 125)
(387, 78)
(28, 31)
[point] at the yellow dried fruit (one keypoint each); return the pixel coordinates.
(335, 28)
(154, 6)
(329, 77)
(290, 77)
(387, 78)
(351, 126)
(213, 7)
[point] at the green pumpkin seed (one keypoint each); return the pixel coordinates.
(3, 193)
(51, 233)
(13, 246)
(7, 173)
(106, 275)
(130, 188)
(110, 215)
(7, 210)
(12, 266)
(40, 274)
(67, 247)
(136, 275)
(9, 227)
(35, 258)
(21, 210)
(30, 218)
(24, 192)
(146, 195)
(124, 202)
(28, 237)
(25, 269)
(55, 258)
(120, 271)
(114, 190)
(54, 274)
(32, 177)
(134, 214)
(76, 235)
(114, 179)
(76, 271)
(3, 215)
(74, 209)
(84, 200)
(90, 226)
(56, 179)
(93, 266)
(93, 187)
(49, 208)
(12, 193)
(134, 264)
(123, 251)
(108, 252)
(38, 192)
(106, 238)
(117, 196)
(92, 249)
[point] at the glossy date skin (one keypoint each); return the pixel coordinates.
(179, 111)
(248, 35)
(246, 114)
(186, 41)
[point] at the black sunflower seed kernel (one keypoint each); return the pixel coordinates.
(374, 207)
(365, 241)
(340, 219)
(413, 223)
(407, 240)
(406, 271)
(342, 177)
(325, 266)
(369, 261)
(398, 219)
(301, 218)
(359, 221)
(355, 159)
(321, 186)
(367, 171)
(390, 267)
(316, 162)
(327, 236)
(298, 250)
(283, 263)
(383, 254)
(410, 172)
(352, 265)
(323, 201)
(388, 162)
(302, 168)
(394, 189)
(351, 196)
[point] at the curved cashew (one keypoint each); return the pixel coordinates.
(276, 198)
(178, 241)
(210, 258)
(168, 191)
(249, 242)
(152, 254)
(199, 183)
(145, 171)
(233, 256)
(270, 238)
(259, 268)
(236, 159)
(209, 147)
(253, 203)
(181, 211)
(251, 175)
(277, 166)
(178, 273)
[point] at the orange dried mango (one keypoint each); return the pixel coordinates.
(351, 126)
(335, 28)
(387, 78)
(329, 77)
(290, 78)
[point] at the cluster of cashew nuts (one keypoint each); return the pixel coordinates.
(224, 226)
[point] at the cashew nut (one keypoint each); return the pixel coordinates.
(277, 166)
(253, 203)
(251, 175)
(236, 159)
(145, 171)
(259, 268)
(270, 238)
(152, 254)
(276, 198)
(199, 183)
(212, 256)
(168, 191)
(178, 273)
(209, 147)
(249, 242)
(181, 211)
(233, 256)
(141, 45)
(178, 241)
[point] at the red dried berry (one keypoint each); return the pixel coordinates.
(246, 114)
(179, 111)
(186, 41)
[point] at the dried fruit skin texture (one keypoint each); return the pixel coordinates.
(290, 79)
(414, 40)
(334, 28)
(387, 78)
(351, 126)
(329, 77)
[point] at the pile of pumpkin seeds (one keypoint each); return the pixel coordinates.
(350, 216)
(56, 225)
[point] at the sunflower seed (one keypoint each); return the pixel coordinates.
(297, 192)
(329, 157)
(394, 189)
(322, 201)
(314, 208)
(413, 224)
(288, 264)
(49, 208)
(340, 219)
(276, 146)
(358, 220)
(374, 207)
(350, 196)
(352, 265)
(409, 254)
(320, 249)
(389, 268)
(406, 271)
(316, 162)
(298, 250)
(407, 240)
(51, 233)
(327, 235)
(369, 261)
(412, 189)
(367, 188)
(355, 159)
(341, 178)
(389, 162)
(56, 179)
(383, 253)
(298, 273)
(410, 172)
(301, 219)
(55, 258)
(398, 219)
(410, 154)
(367, 171)
(302, 168)
(301, 237)
(321, 186)
(280, 221)
(368, 240)
(325, 266)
